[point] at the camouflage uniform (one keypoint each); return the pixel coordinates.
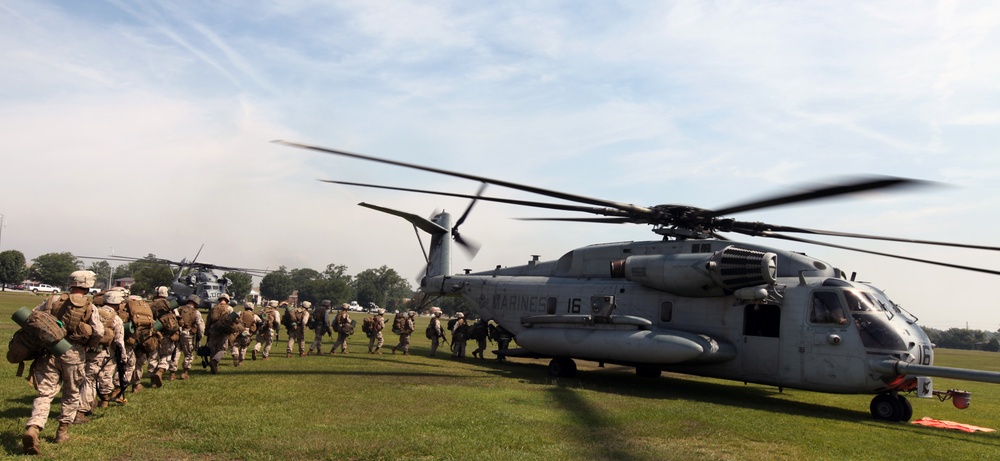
(321, 317)
(375, 341)
(297, 332)
(266, 333)
(404, 335)
(65, 372)
(436, 332)
(241, 341)
(216, 340)
(342, 319)
(101, 367)
(459, 337)
(161, 360)
(192, 329)
(481, 332)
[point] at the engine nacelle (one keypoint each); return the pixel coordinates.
(702, 275)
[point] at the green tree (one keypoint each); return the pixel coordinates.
(333, 284)
(242, 283)
(103, 270)
(277, 285)
(54, 268)
(149, 274)
(12, 268)
(382, 286)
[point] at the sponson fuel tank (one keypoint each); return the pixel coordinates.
(632, 346)
(700, 275)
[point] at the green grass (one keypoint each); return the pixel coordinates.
(391, 407)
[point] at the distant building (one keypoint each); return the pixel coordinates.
(125, 282)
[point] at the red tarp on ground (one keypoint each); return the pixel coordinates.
(925, 421)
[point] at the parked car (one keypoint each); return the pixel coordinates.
(44, 288)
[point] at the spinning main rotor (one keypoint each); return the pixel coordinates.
(677, 221)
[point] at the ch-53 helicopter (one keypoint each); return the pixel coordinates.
(192, 277)
(695, 302)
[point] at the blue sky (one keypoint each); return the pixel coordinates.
(146, 128)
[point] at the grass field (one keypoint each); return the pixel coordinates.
(392, 407)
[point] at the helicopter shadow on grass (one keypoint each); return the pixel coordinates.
(617, 380)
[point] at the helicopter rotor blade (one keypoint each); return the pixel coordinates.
(877, 253)
(855, 185)
(471, 247)
(592, 220)
(522, 187)
(755, 228)
(527, 203)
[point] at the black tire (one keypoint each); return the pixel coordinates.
(34, 290)
(907, 412)
(886, 407)
(562, 367)
(648, 372)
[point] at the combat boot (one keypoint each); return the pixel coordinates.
(81, 418)
(136, 388)
(302, 354)
(253, 354)
(288, 355)
(156, 380)
(214, 365)
(30, 440)
(236, 362)
(62, 434)
(104, 401)
(393, 350)
(185, 374)
(173, 376)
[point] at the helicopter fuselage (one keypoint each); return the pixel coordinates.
(665, 305)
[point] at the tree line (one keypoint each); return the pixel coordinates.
(381, 286)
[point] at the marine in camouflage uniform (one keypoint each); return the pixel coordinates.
(479, 331)
(435, 332)
(297, 329)
(52, 374)
(404, 334)
(241, 341)
(342, 318)
(162, 359)
(267, 331)
(321, 318)
(192, 329)
(217, 338)
(459, 336)
(375, 341)
(101, 367)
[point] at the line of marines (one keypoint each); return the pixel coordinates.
(112, 335)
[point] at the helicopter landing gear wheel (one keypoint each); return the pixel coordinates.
(562, 367)
(907, 413)
(888, 407)
(647, 372)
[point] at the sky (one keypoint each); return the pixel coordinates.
(146, 128)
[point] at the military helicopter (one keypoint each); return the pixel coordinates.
(695, 302)
(192, 277)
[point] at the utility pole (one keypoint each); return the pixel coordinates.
(2, 225)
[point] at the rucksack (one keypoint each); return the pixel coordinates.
(366, 326)
(270, 316)
(170, 324)
(74, 311)
(139, 313)
(39, 332)
(108, 319)
(451, 323)
(249, 321)
(399, 323)
(189, 317)
(478, 331)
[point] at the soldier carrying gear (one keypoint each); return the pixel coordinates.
(459, 336)
(299, 317)
(341, 325)
(192, 328)
(270, 322)
(221, 325)
(161, 359)
(435, 332)
(65, 372)
(241, 341)
(377, 325)
(405, 330)
(321, 325)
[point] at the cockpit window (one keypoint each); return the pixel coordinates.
(859, 303)
(827, 308)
